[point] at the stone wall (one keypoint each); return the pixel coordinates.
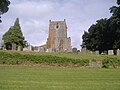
(95, 63)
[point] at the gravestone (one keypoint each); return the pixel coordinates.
(4, 48)
(96, 52)
(41, 49)
(13, 46)
(36, 49)
(110, 52)
(25, 49)
(74, 50)
(83, 49)
(0, 48)
(118, 51)
(30, 48)
(19, 48)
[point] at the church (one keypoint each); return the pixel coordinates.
(57, 40)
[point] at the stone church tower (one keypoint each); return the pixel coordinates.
(57, 39)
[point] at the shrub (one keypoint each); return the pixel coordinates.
(111, 61)
(9, 57)
(18, 58)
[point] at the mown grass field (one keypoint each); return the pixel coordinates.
(57, 78)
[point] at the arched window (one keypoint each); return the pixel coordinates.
(57, 26)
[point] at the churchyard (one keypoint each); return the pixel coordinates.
(55, 65)
(58, 71)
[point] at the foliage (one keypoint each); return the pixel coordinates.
(118, 2)
(19, 58)
(114, 25)
(94, 39)
(105, 34)
(82, 59)
(14, 35)
(111, 62)
(4, 7)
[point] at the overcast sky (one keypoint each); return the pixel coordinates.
(34, 16)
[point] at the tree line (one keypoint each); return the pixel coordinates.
(105, 34)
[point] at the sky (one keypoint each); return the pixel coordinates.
(34, 16)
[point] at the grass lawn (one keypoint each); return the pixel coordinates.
(58, 78)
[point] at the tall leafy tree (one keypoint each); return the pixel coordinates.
(4, 7)
(114, 25)
(118, 2)
(14, 36)
(105, 34)
(94, 39)
(85, 41)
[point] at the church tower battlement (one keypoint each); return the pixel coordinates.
(57, 38)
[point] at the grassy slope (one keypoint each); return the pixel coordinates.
(55, 78)
(67, 55)
(80, 59)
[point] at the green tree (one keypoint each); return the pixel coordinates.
(114, 26)
(105, 34)
(4, 7)
(118, 2)
(85, 41)
(94, 39)
(14, 36)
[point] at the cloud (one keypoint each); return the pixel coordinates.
(34, 17)
(33, 10)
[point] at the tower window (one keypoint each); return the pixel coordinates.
(57, 26)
